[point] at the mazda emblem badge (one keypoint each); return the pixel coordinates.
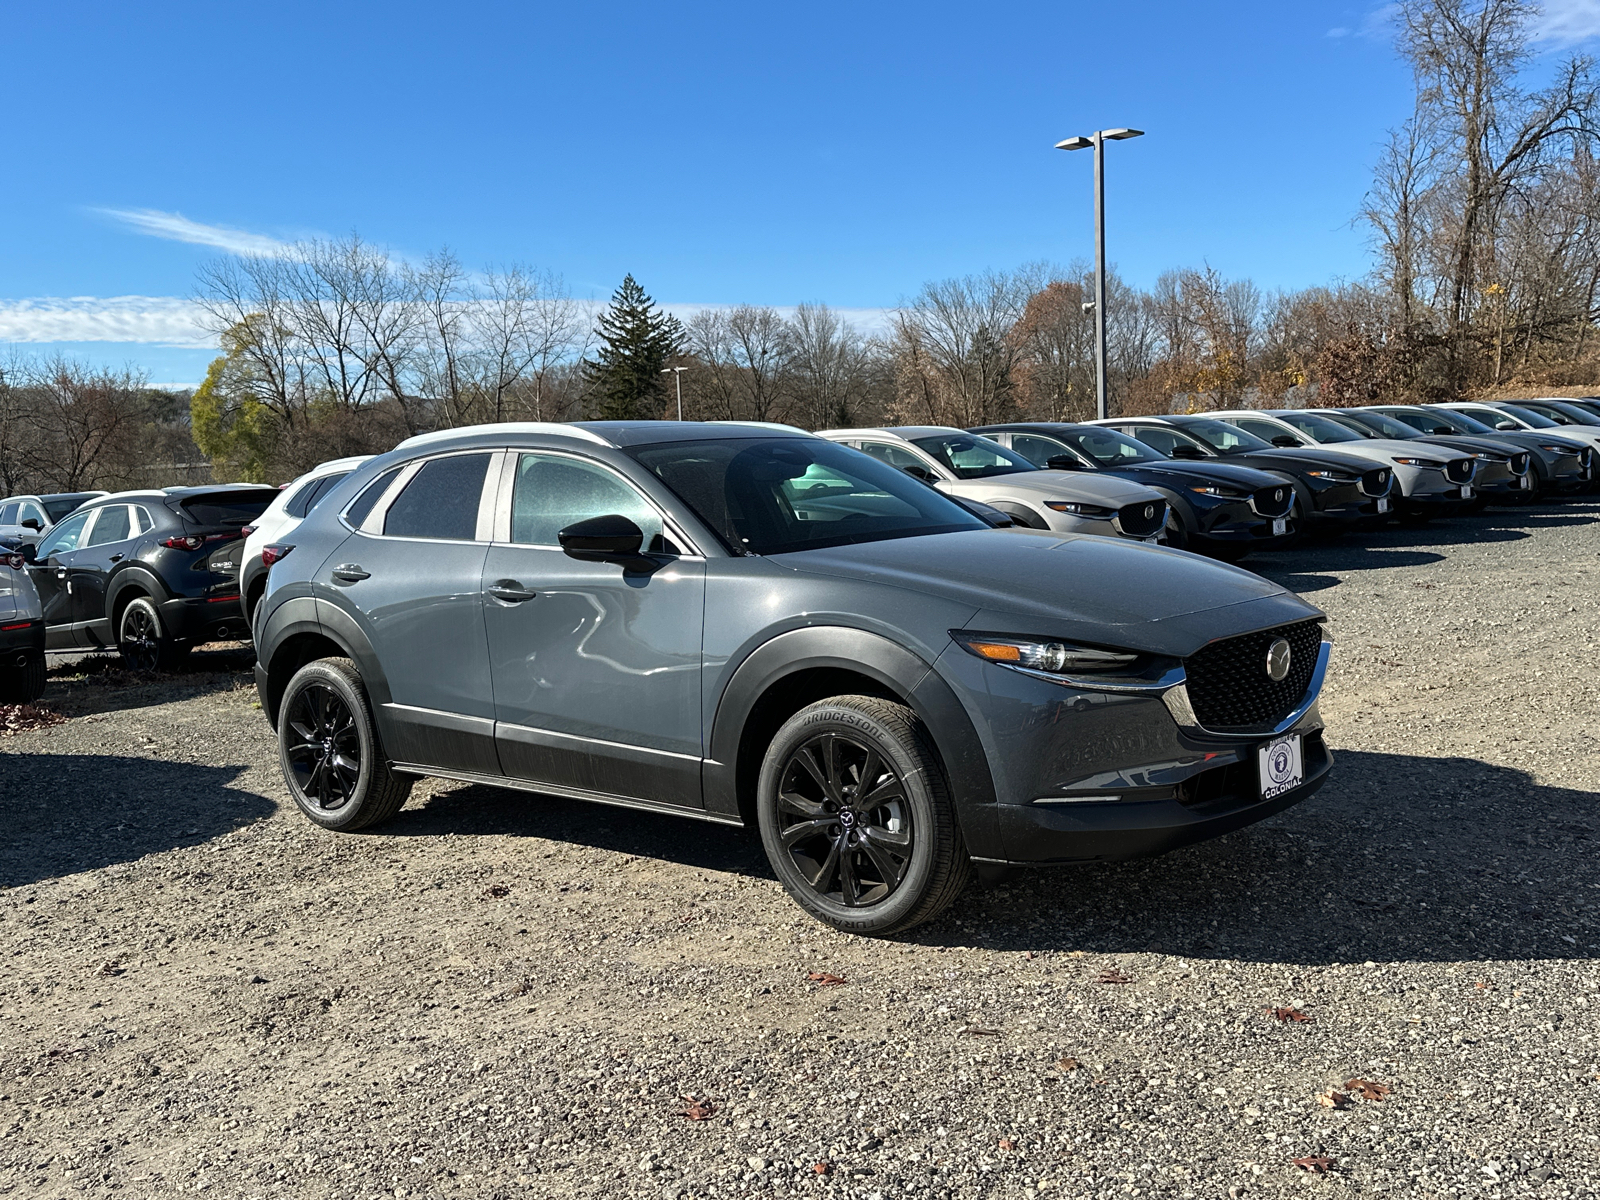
(1278, 495)
(1278, 657)
(1149, 512)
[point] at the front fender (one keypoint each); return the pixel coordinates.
(899, 670)
(292, 623)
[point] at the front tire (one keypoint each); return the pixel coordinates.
(143, 639)
(333, 763)
(856, 817)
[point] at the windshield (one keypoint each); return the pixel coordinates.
(1528, 415)
(60, 506)
(1109, 448)
(969, 457)
(1318, 429)
(777, 495)
(1430, 419)
(1385, 425)
(1572, 412)
(1224, 438)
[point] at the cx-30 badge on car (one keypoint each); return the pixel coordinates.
(1278, 656)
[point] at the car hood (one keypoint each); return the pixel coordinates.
(1387, 448)
(1469, 444)
(1302, 459)
(1108, 591)
(1180, 474)
(1087, 487)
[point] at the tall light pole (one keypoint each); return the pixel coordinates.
(677, 377)
(1098, 140)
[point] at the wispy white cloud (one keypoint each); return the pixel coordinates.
(1568, 22)
(1376, 25)
(867, 320)
(152, 320)
(175, 227)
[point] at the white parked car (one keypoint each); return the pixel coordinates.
(1429, 479)
(21, 633)
(25, 518)
(972, 467)
(294, 501)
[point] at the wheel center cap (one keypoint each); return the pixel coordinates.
(847, 817)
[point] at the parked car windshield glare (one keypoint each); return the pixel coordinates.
(1572, 412)
(1528, 415)
(59, 506)
(778, 495)
(969, 457)
(1386, 425)
(1110, 448)
(1429, 419)
(1319, 429)
(1224, 438)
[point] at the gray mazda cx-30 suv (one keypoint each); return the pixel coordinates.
(753, 625)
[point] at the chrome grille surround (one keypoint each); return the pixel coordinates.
(1377, 483)
(1460, 470)
(1272, 501)
(1131, 519)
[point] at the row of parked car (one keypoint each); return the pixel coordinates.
(821, 635)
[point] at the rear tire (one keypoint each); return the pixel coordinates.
(144, 640)
(328, 747)
(857, 819)
(26, 683)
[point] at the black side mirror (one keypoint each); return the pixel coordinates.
(921, 473)
(1286, 441)
(1062, 462)
(29, 552)
(611, 538)
(31, 523)
(1184, 450)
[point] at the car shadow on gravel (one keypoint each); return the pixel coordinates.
(64, 813)
(98, 683)
(478, 811)
(1397, 858)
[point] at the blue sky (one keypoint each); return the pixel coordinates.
(722, 153)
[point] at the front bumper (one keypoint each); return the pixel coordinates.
(1085, 772)
(1236, 522)
(1342, 505)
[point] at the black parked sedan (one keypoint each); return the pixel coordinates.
(1213, 508)
(150, 573)
(1333, 491)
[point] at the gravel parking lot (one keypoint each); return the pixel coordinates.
(501, 995)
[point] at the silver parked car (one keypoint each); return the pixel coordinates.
(969, 467)
(21, 632)
(24, 518)
(1556, 464)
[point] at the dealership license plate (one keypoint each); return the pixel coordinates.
(1466, 491)
(1383, 504)
(1282, 768)
(1280, 526)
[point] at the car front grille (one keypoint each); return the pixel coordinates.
(1519, 464)
(1141, 520)
(1273, 501)
(1230, 690)
(1459, 470)
(1376, 483)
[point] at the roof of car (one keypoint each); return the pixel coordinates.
(606, 433)
(904, 433)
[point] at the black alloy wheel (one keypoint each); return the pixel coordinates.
(322, 747)
(328, 747)
(844, 820)
(857, 818)
(143, 641)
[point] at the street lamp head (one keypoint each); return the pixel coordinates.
(1074, 143)
(1118, 135)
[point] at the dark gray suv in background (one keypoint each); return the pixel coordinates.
(752, 625)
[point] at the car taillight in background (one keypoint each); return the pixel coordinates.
(247, 531)
(274, 553)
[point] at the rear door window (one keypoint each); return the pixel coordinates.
(441, 501)
(1039, 450)
(8, 514)
(893, 455)
(1157, 438)
(110, 526)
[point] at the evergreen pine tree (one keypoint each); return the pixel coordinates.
(636, 340)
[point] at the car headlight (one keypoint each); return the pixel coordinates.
(1419, 462)
(1080, 510)
(1333, 476)
(1556, 449)
(1040, 654)
(1212, 489)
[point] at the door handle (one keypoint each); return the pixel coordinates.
(116, 558)
(350, 573)
(509, 591)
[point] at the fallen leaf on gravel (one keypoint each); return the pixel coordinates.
(1368, 1090)
(19, 718)
(1067, 1064)
(1333, 1098)
(1007, 1144)
(1112, 975)
(1291, 1014)
(496, 891)
(1316, 1163)
(697, 1110)
(1483, 985)
(821, 1168)
(824, 979)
